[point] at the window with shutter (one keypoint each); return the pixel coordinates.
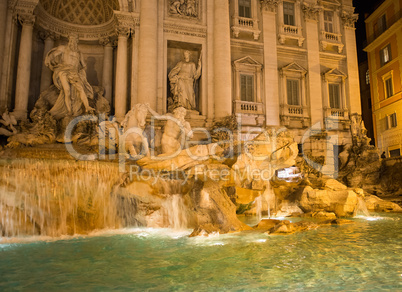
(385, 55)
(289, 13)
(247, 87)
(245, 8)
(328, 21)
(292, 87)
(389, 88)
(334, 96)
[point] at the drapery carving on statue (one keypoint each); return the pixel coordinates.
(187, 8)
(134, 124)
(182, 78)
(69, 76)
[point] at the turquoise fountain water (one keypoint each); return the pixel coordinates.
(365, 256)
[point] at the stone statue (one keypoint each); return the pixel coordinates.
(69, 76)
(8, 120)
(177, 130)
(182, 78)
(133, 126)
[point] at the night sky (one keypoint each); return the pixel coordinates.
(363, 7)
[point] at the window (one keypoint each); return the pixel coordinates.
(328, 21)
(395, 153)
(289, 13)
(245, 8)
(382, 24)
(385, 55)
(292, 88)
(391, 121)
(247, 87)
(367, 77)
(334, 96)
(388, 87)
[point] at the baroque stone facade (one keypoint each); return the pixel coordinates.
(271, 63)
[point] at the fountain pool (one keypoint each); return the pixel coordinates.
(363, 256)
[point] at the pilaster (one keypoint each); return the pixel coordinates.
(271, 92)
(46, 75)
(107, 74)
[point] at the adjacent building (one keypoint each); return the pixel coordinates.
(384, 51)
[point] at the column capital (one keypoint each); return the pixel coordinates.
(311, 12)
(26, 19)
(123, 31)
(349, 19)
(269, 5)
(106, 41)
(44, 35)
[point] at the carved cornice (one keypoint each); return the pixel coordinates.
(84, 32)
(311, 12)
(349, 19)
(11, 4)
(269, 5)
(25, 7)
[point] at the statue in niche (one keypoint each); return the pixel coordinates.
(69, 76)
(183, 8)
(182, 78)
(177, 130)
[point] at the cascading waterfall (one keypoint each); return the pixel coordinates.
(361, 208)
(258, 207)
(174, 209)
(54, 198)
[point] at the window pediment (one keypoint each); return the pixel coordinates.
(334, 74)
(247, 61)
(294, 67)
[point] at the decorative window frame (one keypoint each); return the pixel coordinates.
(247, 66)
(253, 110)
(292, 32)
(382, 50)
(331, 39)
(335, 76)
(385, 77)
(244, 24)
(288, 112)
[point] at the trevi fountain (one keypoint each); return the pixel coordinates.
(150, 202)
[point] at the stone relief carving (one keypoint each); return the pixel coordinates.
(269, 5)
(184, 8)
(8, 121)
(182, 78)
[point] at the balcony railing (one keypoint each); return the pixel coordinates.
(291, 32)
(247, 107)
(379, 31)
(342, 114)
(245, 24)
(331, 37)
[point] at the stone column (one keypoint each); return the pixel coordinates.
(3, 24)
(5, 70)
(148, 53)
(222, 60)
(120, 101)
(353, 86)
(107, 74)
(271, 84)
(314, 82)
(24, 67)
(46, 75)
